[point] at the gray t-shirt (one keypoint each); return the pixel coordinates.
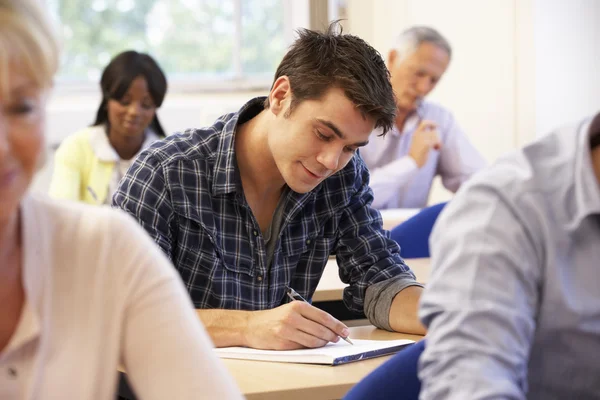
(378, 298)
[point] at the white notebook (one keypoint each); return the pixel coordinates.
(331, 354)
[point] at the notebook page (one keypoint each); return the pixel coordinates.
(322, 355)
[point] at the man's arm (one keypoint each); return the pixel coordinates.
(404, 311)
(459, 159)
(387, 181)
(293, 325)
(480, 302)
(370, 263)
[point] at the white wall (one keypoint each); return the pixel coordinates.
(567, 51)
(479, 86)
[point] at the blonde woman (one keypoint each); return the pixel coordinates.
(82, 288)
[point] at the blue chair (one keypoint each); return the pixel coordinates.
(395, 379)
(413, 234)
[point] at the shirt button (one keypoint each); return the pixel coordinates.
(307, 241)
(12, 372)
(255, 233)
(259, 278)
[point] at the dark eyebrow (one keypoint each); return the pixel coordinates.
(332, 126)
(337, 131)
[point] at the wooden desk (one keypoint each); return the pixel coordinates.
(270, 381)
(331, 288)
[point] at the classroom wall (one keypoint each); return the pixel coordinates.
(519, 67)
(567, 51)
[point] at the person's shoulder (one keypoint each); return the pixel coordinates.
(81, 139)
(73, 215)
(347, 181)
(91, 230)
(529, 178)
(190, 144)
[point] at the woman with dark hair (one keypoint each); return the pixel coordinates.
(90, 163)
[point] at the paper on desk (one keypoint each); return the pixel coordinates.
(331, 354)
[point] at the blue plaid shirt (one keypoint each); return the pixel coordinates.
(186, 192)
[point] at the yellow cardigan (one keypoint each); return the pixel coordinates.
(79, 173)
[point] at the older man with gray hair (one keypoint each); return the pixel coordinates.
(426, 140)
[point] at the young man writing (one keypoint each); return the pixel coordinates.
(257, 202)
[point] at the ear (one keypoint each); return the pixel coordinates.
(280, 95)
(392, 57)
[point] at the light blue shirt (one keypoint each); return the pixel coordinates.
(513, 303)
(396, 180)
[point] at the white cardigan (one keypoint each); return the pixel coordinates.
(99, 293)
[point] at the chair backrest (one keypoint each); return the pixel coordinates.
(413, 234)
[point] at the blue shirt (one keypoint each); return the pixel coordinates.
(397, 181)
(513, 302)
(186, 192)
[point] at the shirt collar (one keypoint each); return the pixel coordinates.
(586, 188)
(226, 178)
(411, 121)
(104, 150)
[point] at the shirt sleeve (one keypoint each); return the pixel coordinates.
(459, 159)
(389, 180)
(165, 350)
(379, 298)
(143, 194)
(65, 183)
(366, 255)
(480, 302)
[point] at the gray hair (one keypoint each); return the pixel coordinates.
(413, 37)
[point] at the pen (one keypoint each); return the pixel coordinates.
(292, 294)
(91, 191)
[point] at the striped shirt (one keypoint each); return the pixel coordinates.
(186, 192)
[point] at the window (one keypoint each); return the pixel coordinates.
(206, 42)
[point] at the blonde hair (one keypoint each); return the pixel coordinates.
(27, 42)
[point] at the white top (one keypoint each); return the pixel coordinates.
(395, 179)
(100, 294)
(106, 152)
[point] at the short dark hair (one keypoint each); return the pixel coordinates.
(318, 61)
(118, 76)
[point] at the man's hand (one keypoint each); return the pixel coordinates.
(425, 138)
(292, 326)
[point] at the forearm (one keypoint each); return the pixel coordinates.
(404, 310)
(225, 327)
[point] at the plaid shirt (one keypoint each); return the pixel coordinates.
(186, 192)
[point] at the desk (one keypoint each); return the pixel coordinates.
(395, 216)
(331, 288)
(270, 381)
(261, 380)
